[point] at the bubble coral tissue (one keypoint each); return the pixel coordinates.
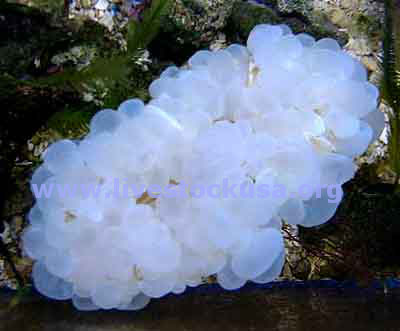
(283, 110)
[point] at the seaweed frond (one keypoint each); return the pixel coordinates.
(141, 33)
(390, 83)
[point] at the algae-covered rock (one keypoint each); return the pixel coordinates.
(246, 15)
(29, 39)
(23, 33)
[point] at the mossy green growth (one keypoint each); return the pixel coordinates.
(245, 16)
(72, 123)
(134, 86)
(319, 26)
(54, 7)
(371, 26)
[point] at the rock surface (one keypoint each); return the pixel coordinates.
(288, 309)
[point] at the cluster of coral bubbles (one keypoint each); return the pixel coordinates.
(283, 111)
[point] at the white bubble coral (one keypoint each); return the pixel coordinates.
(285, 110)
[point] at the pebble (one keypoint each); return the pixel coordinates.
(101, 5)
